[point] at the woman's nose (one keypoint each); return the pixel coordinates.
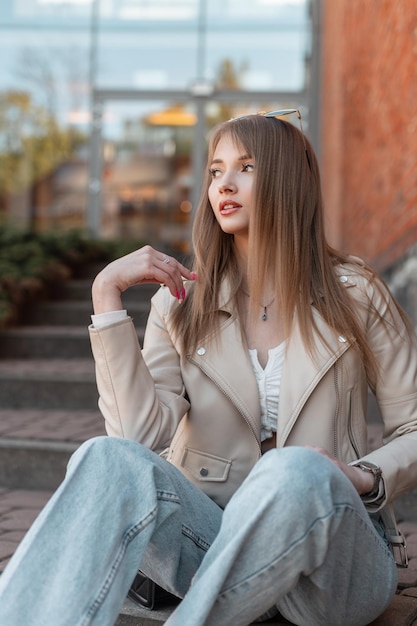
(227, 186)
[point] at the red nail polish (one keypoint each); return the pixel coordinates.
(193, 275)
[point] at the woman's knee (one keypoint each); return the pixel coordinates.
(105, 456)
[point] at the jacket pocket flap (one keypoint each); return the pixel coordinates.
(205, 467)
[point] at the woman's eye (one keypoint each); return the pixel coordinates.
(214, 172)
(248, 167)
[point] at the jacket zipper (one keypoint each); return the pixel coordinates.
(336, 416)
(337, 411)
(350, 430)
(189, 357)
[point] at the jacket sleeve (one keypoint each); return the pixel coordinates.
(395, 391)
(140, 400)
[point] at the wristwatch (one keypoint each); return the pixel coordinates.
(376, 471)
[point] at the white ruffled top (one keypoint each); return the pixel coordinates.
(269, 382)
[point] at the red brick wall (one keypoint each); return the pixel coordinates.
(369, 126)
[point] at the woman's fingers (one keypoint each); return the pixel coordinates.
(174, 273)
(362, 481)
(145, 265)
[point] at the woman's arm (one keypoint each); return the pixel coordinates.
(395, 350)
(138, 403)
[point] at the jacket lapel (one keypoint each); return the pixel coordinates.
(231, 369)
(302, 372)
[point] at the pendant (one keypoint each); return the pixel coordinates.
(264, 316)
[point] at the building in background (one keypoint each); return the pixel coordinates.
(105, 104)
(369, 135)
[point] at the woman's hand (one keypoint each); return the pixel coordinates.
(362, 481)
(145, 265)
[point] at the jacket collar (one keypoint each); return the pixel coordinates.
(225, 299)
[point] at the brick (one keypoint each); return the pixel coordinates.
(369, 138)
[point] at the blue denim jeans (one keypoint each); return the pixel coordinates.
(295, 536)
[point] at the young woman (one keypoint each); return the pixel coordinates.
(236, 474)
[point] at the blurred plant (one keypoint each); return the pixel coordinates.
(30, 263)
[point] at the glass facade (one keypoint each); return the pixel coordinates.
(105, 104)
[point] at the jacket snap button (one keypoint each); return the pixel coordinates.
(343, 279)
(204, 471)
(342, 339)
(201, 351)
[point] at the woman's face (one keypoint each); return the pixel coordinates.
(231, 189)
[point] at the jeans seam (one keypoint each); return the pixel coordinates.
(167, 496)
(293, 544)
(127, 537)
(199, 542)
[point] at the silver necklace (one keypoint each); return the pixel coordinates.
(264, 316)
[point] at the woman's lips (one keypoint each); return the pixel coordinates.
(229, 206)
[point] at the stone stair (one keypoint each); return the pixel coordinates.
(48, 394)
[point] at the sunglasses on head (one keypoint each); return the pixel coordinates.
(278, 114)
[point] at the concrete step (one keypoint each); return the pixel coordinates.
(47, 342)
(48, 384)
(33, 465)
(35, 445)
(134, 615)
(80, 289)
(75, 313)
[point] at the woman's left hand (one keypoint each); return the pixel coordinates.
(362, 481)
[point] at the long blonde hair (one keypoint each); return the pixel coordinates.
(286, 242)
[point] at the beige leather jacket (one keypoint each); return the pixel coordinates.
(201, 410)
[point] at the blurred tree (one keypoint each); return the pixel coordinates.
(228, 77)
(32, 143)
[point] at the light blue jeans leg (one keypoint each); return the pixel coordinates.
(295, 535)
(76, 563)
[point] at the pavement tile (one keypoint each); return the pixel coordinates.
(7, 549)
(18, 519)
(3, 564)
(13, 535)
(4, 509)
(23, 498)
(401, 612)
(407, 577)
